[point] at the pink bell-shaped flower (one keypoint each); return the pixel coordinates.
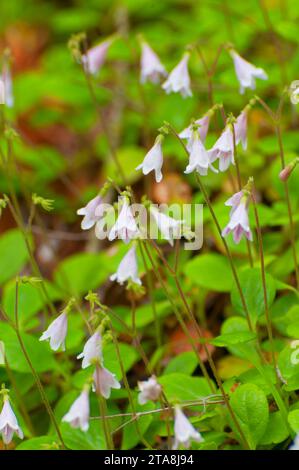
(151, 67)
(239, 220)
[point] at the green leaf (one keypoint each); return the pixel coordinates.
(83, 271)
(230, 339)
(40, 443)
(145, 314)
(75, 439)
(282, 312)
(236, 326)
(13, 254)
(252, 288)
(129, 158)
(276, 431)
(288, 363)
(180, 387)
(131, 436)
(31, 299)
(250, 406)
(293, 419)
(128, 355)
(185, 363)
(210, 271)
(39, 352)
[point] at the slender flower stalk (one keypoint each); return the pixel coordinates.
(289, 206)
(242, 133)
(210, 71)
(194, 347)
(128, 390)
(277, 397)
(34, 373)
(229, 255)
(103, 122)
(276, 119)
(263, 274)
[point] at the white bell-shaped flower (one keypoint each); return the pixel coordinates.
(184, 432)
(104, 381)
(199, 159)
(92, 350)
(153, 160)
(127, 269)
(223, 149)
(95, 57)
(246, 72)
(170, 228)
(9, 423)
(239, 220)
(92, 213)
(149, 390)
(240, 127)
(125, 228)
(151, 67)
(56, 332)
(178, 80)
(203, 127)
(7, 85)
(78, 414)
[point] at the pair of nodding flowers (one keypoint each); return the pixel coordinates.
(184, 432)
(103, 382)
(179, 80)
(200, 159)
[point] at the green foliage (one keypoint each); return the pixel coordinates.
(252, 289)
(13, 254)
(179, 387)
(201, 271)
(249, 403)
